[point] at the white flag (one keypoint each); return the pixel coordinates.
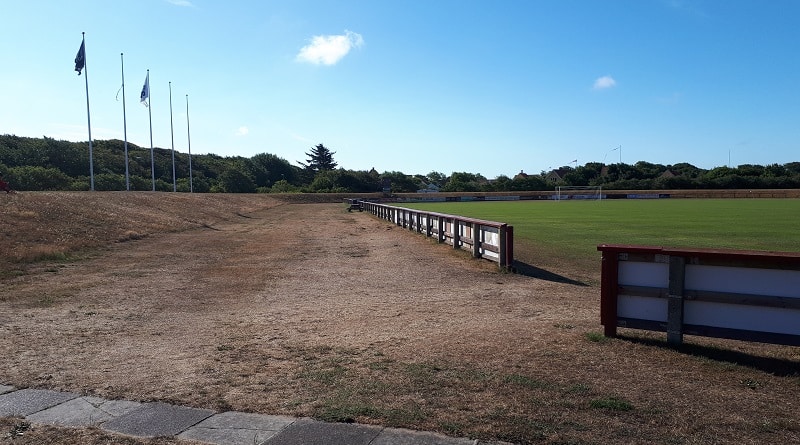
(146, 90)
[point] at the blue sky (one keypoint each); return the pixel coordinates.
(490, 87)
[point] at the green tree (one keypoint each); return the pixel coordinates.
(530, 183)
(400, 182)
(324, 182)
(437, 178)
(109, 182)
(619, 172)
(320, 158)
(675, 183)
(647, 170)
(501, 183)
(719, 172)
(750, 170)
(464, 182)
(686, 170)
(358, 181)
(776, 170)
(236, 180)
(792, 168)
(29, 177)
(267, 169)
(200, 183)
(583, 175)
(283, 186)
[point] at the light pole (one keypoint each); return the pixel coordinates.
(614, 149)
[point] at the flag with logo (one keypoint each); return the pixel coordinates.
(80, 58)
(145, 96)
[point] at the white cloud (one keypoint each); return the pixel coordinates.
(242, 131)
(180, 2)
(604, 82)
(327, 50)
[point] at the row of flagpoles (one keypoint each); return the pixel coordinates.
(80, 65)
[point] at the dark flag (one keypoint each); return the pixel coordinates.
(80, 59)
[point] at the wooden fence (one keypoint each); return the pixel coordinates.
(743, 295)
(484, 239)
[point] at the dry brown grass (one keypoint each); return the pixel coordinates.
(17, 431)
(39, 252)
(253, 305)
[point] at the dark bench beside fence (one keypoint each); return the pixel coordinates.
(743, 295)
(484, 239)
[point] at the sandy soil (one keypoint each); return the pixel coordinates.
(176, 316)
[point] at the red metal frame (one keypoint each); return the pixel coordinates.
(609, 285)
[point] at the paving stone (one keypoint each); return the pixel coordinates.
(84, 411)
(232, 428)
(226, 437)
(397, 436)
(115, 408)
(157, 419)
(311, 432)
(28, 401)
(234, 420)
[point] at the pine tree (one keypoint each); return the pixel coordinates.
(320, 158)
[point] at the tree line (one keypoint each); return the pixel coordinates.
(50, 164)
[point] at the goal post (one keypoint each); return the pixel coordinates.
(582, 192)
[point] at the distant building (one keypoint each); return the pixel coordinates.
(429, 188)
(556, 175)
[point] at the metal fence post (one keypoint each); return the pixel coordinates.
(677, 276)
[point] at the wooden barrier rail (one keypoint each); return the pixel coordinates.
(742, 295)
(484, 239)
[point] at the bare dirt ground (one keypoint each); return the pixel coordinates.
(252, 303)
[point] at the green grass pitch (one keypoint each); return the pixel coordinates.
(573, 229)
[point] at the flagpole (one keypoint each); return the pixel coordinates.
(150, 115)
(125, 126)
(88, 114)
(172, 137)
(189, 139)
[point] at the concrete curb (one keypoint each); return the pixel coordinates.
(228, 428)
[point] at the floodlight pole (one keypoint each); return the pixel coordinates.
(617, 148)
(172, 138)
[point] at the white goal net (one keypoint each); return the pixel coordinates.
(584, 192)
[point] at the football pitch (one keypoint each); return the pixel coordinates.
(571, 230)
